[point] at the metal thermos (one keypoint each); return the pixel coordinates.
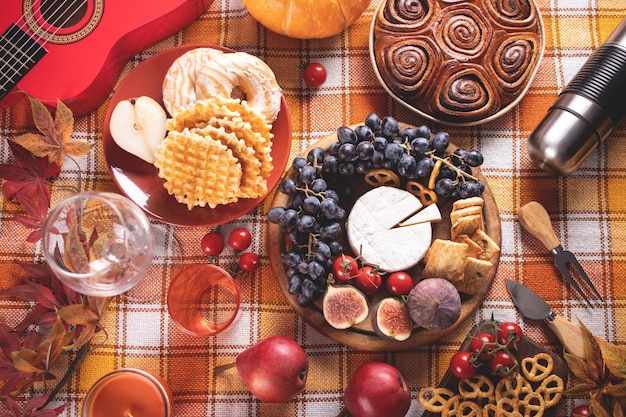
(586, 111)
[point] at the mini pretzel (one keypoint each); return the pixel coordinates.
(478, 386)
(536, 368)
(514, 387)
(433, 399)
(457, 407)
(532, 405)
(381, 176)
(425, 195)
(551, 389)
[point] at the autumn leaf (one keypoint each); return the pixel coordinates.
(10, 377)
(614, 357)
(38, 361)
(599, 374)
(54, 138)
(28, 175)
(86, 317)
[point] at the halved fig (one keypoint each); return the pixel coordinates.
(391, 319)
(344, 306)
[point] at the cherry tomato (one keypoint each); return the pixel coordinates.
(503, 363)
(345, 267)
(212, 244)
(582, 410)
(509, 334)
(483, 345)
(240, 239)
(368, 281)
(249, 262)
(399, 283)
(461, 365)
(314, 74)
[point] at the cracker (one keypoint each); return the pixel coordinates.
(446, 259)
(474, 250)
(467, 202)
(466, 225)
(476, 271)
(489, 246)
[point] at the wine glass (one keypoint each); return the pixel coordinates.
(98, 243)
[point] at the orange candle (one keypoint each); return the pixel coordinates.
(128, 393)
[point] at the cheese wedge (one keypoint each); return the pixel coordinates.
(373, 229)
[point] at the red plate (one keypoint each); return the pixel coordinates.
(138, 179)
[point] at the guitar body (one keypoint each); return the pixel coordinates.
(86, 48)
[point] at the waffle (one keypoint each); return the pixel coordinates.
(199, 170)
(253, 185)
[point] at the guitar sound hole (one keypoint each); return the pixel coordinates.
(63, 13)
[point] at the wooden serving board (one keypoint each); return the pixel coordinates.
(362, 336)
(527, 348)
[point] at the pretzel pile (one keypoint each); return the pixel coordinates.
(527, 393)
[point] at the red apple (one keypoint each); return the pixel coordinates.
(377, 389)
(274, 369)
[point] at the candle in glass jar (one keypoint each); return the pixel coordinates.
(128, 393)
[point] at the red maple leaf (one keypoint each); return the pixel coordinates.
(10, 342)
(47, 292)
(35, 213)
(28, 176)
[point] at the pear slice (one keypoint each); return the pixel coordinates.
(137, 125)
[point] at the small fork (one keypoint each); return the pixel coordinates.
(535, 219)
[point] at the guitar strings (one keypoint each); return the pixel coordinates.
(22, 25)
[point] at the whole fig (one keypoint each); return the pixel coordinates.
(434, 304)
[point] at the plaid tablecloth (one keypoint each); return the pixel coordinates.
(588, 211)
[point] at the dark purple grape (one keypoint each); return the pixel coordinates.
(318, 185)
(420, 145)
(423, 132)
(287, 186)
(377, 159)
(346, 135)
(364, 133)
(469, 189)
(274, 214)
(334, 148)
(311, 205)
(474, 158)
(424, 167)
(316, 269)
(290, 258)
(330, 193)
(389, 127)
(365, 150)
(294, 285)
(316, 156)
(330, 231)
(458, 156)
(408, 134)
(394, 151)
(346, 168)
(298, 162)
(347, 152)
(380, 143)
(307, 174)
(373, 122)
(321, 250)
(330, 165)
(444, 187)
(406, 165)
(329, 207)
(306, 223)
(288, 219)
(440, 141)
(335, 247)
(362, 167)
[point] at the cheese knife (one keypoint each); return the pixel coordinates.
(533, 307)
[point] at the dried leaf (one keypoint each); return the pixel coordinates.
(616, 390)
(78, 314)
(38, 362)
(28, 175)
(74, 256)
(35, 214)
(614, 358)
(578, 366)
(32, 408)
(87, 316)
(593, 353)
(54, 140)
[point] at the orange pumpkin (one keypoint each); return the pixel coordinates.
(306, 19)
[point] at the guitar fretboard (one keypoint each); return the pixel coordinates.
(19, 52)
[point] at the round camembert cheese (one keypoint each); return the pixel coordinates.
(391, 228)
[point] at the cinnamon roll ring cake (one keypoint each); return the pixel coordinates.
(461, 62)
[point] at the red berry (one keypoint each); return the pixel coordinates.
(314, 74)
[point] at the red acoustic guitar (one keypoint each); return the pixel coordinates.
(74, 50)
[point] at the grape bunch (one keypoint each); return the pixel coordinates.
(313, 220)
(312, 224)
(414, 153)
